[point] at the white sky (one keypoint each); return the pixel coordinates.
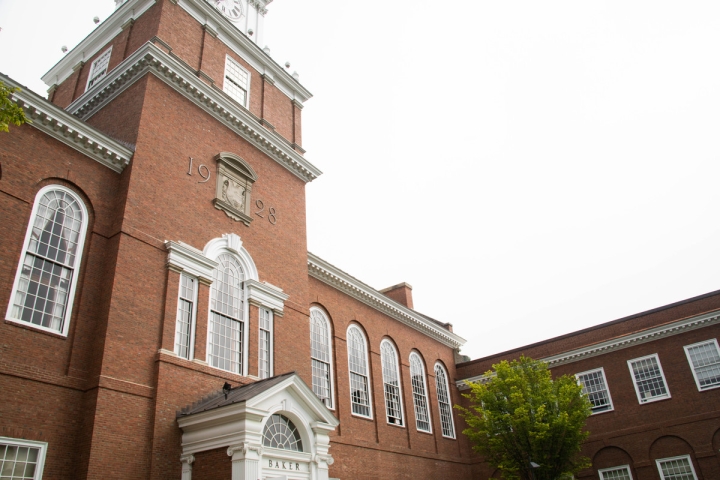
(531, 168)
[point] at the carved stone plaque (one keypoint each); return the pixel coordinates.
(234, 186)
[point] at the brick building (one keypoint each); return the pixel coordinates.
(164, 319)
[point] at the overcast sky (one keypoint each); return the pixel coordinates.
(530, 168)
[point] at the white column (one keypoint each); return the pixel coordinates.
(245, 461)
(187, 461)
(323, 464)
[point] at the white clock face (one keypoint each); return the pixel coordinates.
(232, 9)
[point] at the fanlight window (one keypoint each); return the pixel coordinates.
(280, 432)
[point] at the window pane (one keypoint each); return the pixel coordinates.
(359, 391)
(391, 383)
(649, 380)
(183, 325)
(236, 81)
(706, 364)
(594, 387)
(621, 473)
(676, 469)
(417, 374)
(320, 353)
(280, 432)
(448, 428)
(264, 344)
(17, 462)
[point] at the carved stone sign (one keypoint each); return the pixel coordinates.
(234, 186)
(277, 464)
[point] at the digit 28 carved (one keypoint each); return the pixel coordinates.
(272, 218)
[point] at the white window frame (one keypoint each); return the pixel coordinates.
(193, 317)
(102, 61)
(446, 390)
(425, 392)
(659, 461)
(331, 363)
(692, 367)
(41, 446)
(613, 469)
(271, 322)
(75, 268)
(607, 388)
(662, 375)
(366, 375)
(399, 385)
(229, 60)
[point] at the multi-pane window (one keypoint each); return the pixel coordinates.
(359, 384)
(443, 394)
(649, 380)
(616, 473)
(280, 432)
(21, 459)
(595, 387)
(417, 377)
(391, 383)
(225, 329)
(676, 468)
(184, 324)
(265, 344)
(236, 81)
(704, 359)
(99, 68)
(320, 356)
(47, 274)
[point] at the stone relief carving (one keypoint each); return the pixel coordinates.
(234, 186)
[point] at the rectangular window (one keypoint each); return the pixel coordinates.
(225, 343)
(184, 326)
(649, 379)
(616, 473)
(99, 68)
(21, 459)
(676, 468)
(704, 358)
(237, 81)
(265, 344)
(595, 387)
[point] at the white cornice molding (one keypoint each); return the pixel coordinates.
(266, 295)
(73, 132)
(151, 59)
(191, 260)
(336, 278)
(619, 343)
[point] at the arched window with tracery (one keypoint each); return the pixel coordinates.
(280, 432)
(47, 275)
(358, 363)
(391, 383)
(226, 325)
(320, 356)
(419, 388)
(443, 394)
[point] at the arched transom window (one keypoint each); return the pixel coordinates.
(47, 275)
(226, 326)
(443, 394)
(320, 349)
(417, 376)
(280, 432)
(358, 363)
(391, 383)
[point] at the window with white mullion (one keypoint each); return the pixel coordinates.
(443, 394)
(265, 344)
(358, 363)
(391, 383)
(616, 473)
(99, 68)
(184, 326)
(226, 326)
(236, 82)
(595, 387)
(320, 353)
(21, 459)
(676, 468)
(704, 358)
(420, 401)
(649, 380)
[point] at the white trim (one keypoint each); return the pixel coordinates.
(426, 392)
(669, 459)
(662, 375)
(603, 470)
(403, 416)
(354, 326)
(232, 243)
(336, 278)
(607, 387)
(331, 359)
(41, 446)
(190, 260)
(450, 402)
(75, 268)
(266, 295)
(692, 368)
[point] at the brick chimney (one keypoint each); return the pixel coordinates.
(401, 293)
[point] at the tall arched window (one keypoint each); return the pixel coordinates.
(417, 376)
(391, 383)
(358, 362)
(47, 275)
(226, 325)
(321, 354)
(443, 394)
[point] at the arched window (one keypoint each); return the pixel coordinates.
(320, 353)
(226, 325)
(443, 394)
(47, 275)
(391, 383)
(417, 376)
(280, 432)
(358, 362)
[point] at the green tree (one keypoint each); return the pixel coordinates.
(10, 112)
(526, 424)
